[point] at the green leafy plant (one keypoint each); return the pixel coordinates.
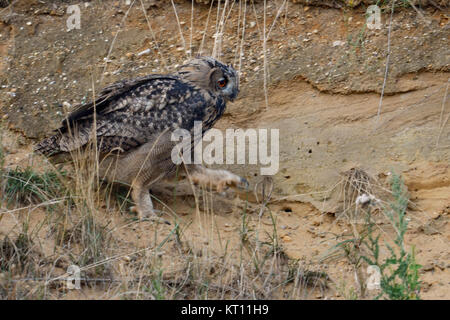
(26, 185)
(399, 272)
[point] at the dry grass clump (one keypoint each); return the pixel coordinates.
(76, 228)
(204, 272)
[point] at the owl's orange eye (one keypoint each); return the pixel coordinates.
(222, 83)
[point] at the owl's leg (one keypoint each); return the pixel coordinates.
(144, 205)
(220, 179)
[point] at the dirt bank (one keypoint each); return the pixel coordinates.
(325, 72)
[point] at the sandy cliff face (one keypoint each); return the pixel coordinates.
(325, 72)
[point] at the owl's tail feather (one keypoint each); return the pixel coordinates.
(50, 147)
(57, 148)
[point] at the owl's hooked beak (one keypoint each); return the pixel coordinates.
(232, 90)
(231, 93)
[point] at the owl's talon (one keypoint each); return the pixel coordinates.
(156, 219)
(243, 184)
(238, 182)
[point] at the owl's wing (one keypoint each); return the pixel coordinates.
(132, 114)
(109, 93)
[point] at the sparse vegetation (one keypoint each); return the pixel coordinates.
(255, 268)
(394, 267)
(399, 270)
(27, 186)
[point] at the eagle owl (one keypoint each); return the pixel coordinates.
(132, 122)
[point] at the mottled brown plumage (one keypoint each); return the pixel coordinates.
(132, 121)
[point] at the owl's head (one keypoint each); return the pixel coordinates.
(210, 74)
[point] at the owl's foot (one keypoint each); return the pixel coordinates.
(220, 179)
(144, 206)
(231, 179)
